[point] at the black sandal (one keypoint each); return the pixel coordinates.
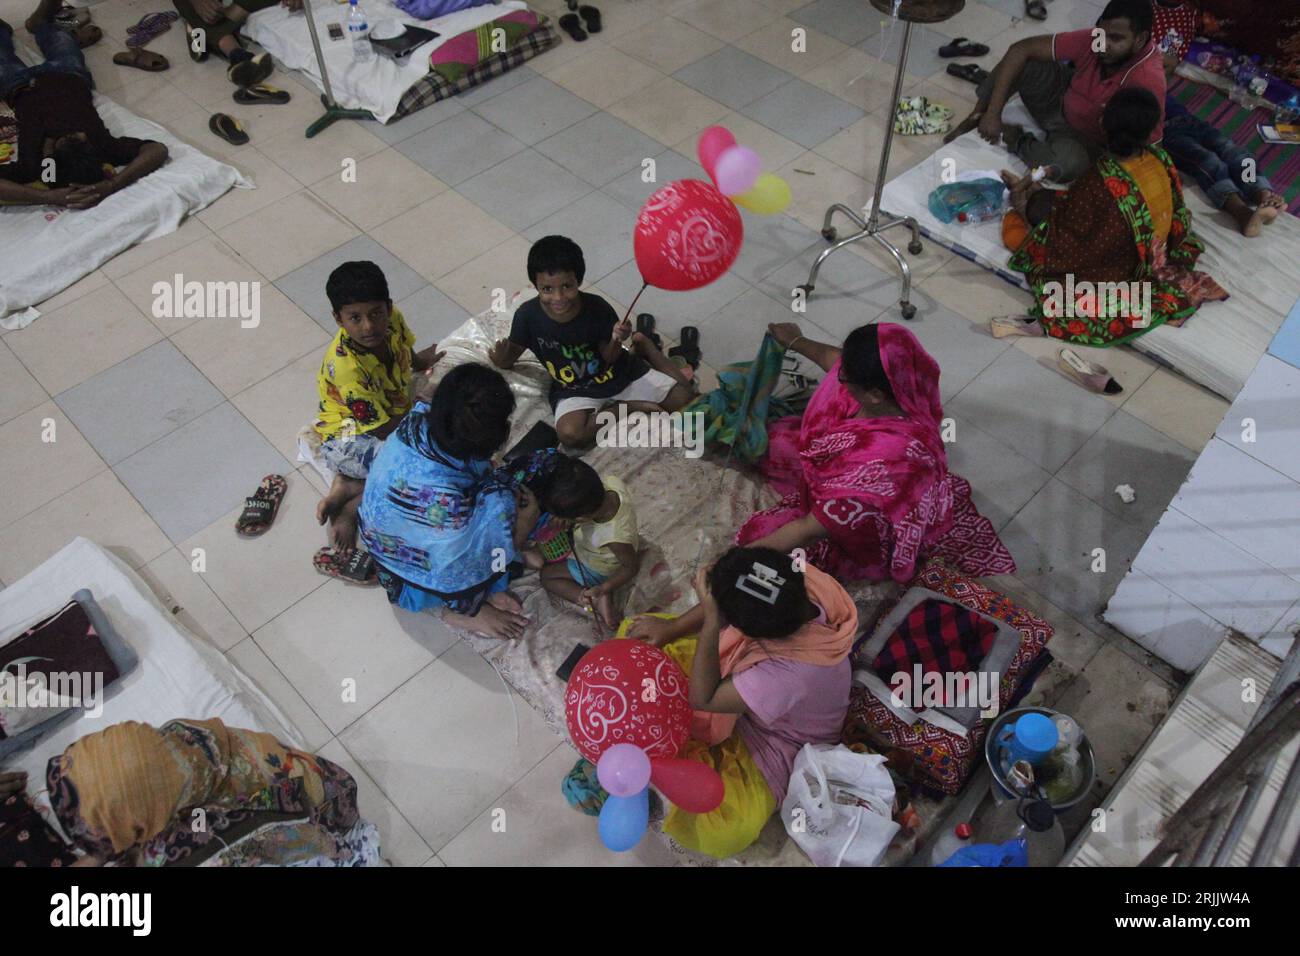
(590, 17)
(968, 71)
(962, 47)
(569, 24)
(228, 128)
(1036, 9)
(261, 93)
(689, 348)
(645, 324)
(353, 565)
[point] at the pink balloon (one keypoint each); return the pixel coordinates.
(736, 170)
(689, 784)
(623, 770)
(710, 146)
(686, 235)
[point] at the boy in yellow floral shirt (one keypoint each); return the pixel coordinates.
(365, 388)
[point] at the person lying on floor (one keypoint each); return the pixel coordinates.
(1065, 80)
(769, 672)
(578, 337)
(129, 794)
(364, 385)
(864, 470)
(440, 525)
(58, 152)
(212, 26)
(1123, 223)
(1225, 171)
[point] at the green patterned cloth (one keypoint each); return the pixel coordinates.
(917, 116)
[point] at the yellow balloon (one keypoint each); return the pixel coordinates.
(769, 194)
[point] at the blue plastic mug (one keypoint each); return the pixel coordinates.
(1031, 737)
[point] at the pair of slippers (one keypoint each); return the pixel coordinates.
(1036, 9)
(1093, 377)
(571, 25)
(230, 129)
(965, 71)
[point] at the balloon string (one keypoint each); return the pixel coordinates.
(634, 301)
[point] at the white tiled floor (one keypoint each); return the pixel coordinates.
(448, 200)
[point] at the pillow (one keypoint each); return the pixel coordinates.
(26, 839)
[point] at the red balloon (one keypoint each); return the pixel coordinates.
(687, 234)
(626, 691)
(693, 786)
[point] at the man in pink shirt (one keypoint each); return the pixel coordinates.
(1066, 80)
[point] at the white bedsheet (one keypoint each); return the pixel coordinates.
(48, 249)
(1221, 344)
(376, 86)
(178, 675)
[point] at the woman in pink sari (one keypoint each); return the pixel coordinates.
(864, 473)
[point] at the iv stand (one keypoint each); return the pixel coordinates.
(333, 112)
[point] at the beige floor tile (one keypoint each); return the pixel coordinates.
(345, 649)
(250, 659)
(933, 258)
(313, 477)
(400, 845)
(258, 578)
(1182, 410)
(186, 595)
(83, 286)
(207, 260)
(857, 148)
(157, 100)
(816, 183)
(667, 44)
(1074, 643)
(280, 404)
(728, 20)
(460, 703)
(101, 509)
(433, 861)
(311, 160)
(387, 184)
(536, 826)
(503, 267)
(620, 16)
(669, 111)
(287, 234)
(1127, 366)
(272, 183)
(124, 263)
(773, 148)
(193, 129)
(774, 42)
(859, 78)
(566, 51)
(19, 392)
(605, 76)
(34, 472)
(973, 291)
(417, 238)
(69, 345)
(234, 358)
(978, 21)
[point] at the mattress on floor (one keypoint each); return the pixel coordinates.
(178, 674)
(1220, 345)
(386, 87)
(48, 249)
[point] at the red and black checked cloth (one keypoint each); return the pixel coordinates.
(939, 636)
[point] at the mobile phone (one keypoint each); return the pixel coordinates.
(571, 662)
(335, 31)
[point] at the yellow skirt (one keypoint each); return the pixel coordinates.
(747, 800)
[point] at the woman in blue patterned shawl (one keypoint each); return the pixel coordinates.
(443, 529)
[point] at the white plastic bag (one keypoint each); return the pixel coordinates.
(839, 805)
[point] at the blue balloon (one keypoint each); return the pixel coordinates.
(623, 820)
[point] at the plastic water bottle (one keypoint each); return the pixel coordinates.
(359, 33)
(950, 843)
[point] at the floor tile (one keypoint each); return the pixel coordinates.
(959, 348)
(1041, 414)
(816, 184)
(486, 91)
(534, 111)
(473, 287)
(288, 234)
(19, 392)
(83, 286)
(399, 843)
(1286, 343)
(534, 824)
(434, 252)
(459, 147)
(672, 310)
(1002, 481)
(923, 52)
(728, 20)
(386, 185)
(602, 149)
(1074, 643)
(857, 147)
(306, 284)
(597, 223)
(1053, 540)
(100, 509)
(431, 315)
(857, 77)
(250, 658)
(803, 113)
(669, 111)
(1242, 500)
(33, 470)
(973, 291)
(1127, 452)
(191, 230)
(523, 189)
(667, 44)
(191, 477)
(283, 402)
(272, 182)
(632, 188)
(846, 20)
(137, 401)
(1129, 367)
(773, 148)
(733, 77)
(770, 243)
(73, 344)
(776, 44)
(1176, 407)
(468, 771)
(735, 333)
(185, 594)
(397, 130)
(208, 260)
(604, 76)
(1216, 576)
(1270, 399)
(1162, 622)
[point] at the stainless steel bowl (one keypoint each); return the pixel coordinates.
(999, 778)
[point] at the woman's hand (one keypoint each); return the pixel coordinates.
(652, 630)
(784, 333)
(499, 353)
(701, 586)
(12, 782)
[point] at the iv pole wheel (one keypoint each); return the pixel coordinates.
(829, 234)
(806, 289)
(914, 247)
(909, 310)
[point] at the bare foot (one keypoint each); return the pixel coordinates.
(1271, 200)
(342, 489)
(506, 601)
(605, 609)
(1257, 220)
(343, 526)
(490, 621)
(965, 126)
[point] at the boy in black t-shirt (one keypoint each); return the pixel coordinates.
(579, 339)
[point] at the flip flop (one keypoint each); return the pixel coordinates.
(645, 324)
(351, 565)
(261, 93)
(260, 509)
(689, 349)
(1036, 9)
(228, 128)
(968, 71)
(962, 47)
(87, 35)
(69, 18)
(252, 71)
(150, 26)
(1003, 326)
(590, 17)
(142, 59)
(1093, 377)
(569, 24)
